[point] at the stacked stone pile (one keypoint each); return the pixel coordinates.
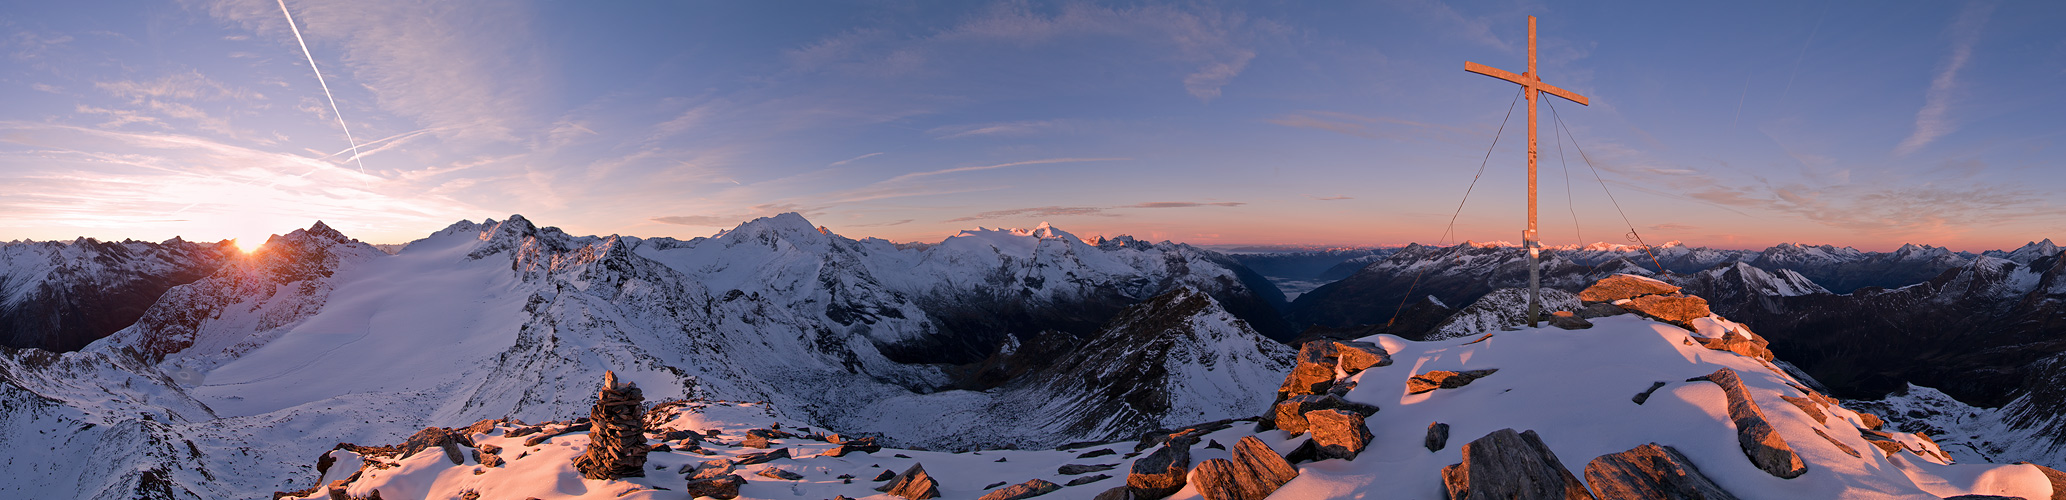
(617, 434)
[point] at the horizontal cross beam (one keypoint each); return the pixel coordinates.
(1535, 83)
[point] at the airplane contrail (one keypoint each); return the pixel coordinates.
(326, 86)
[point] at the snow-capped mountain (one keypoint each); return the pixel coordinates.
(317, 339)
(59, 296)
(1572, 402)
(1452, 275)
(2028, 252)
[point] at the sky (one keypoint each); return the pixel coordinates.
(1855, 123)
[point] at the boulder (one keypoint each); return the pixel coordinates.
(1438, 436)
(1765, 447)
(1353, 357)
(1441, 379)
(1076, 469)
(764, 457)
(1809, 406)
(1314, 370)
(1840, 446)
(1678, 310)
(1028, 489)
(1253, 473)
(778, 473)
(1161, 473)
(435, 437)
(1289, 414)
(861, 445)
(617, 433)
(884, 476)
(1508, 465)
(757, 438)
(723, 487)
(1650, 472)
(487, 455)
(1871, 421)
(1600, 310)
(914, 484)
(1740, 343)
(712, 469)
(1338, 433)
(1624, 286)
(1116, 493)
(1088, 479)
(1568, 320)
(1306, 451)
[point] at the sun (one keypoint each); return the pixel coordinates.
(249, 244)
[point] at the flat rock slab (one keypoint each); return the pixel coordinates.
(1624, 286)
(1568, 320)
(1678, 310)
(1441, 379)
(1650, 472)
(1763, 445)
(1339, 434)
(1161, 473)
(1028, 489)
(1289, 414)
(1355, 357)
(1508, 465)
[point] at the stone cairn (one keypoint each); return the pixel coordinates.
(617, 439)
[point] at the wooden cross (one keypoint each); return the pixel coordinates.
(1531, 83)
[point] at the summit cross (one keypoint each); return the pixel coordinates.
(1531, 83)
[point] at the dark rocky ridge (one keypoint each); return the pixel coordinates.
(91, 288)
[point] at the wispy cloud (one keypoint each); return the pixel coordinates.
(956, 170)
(1333, 198)
(736, 218)
(1004, 129)
(1036, 212)
(1185, 204)
(1933, 120)
(854, 159)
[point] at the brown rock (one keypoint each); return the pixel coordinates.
(434, 437)
(1438, 436)
(914, 484)
(1568, 321)
(778, 473)
(1884, 441)
(1116, 493)
(1290, 413)
(1253, 473)
(1600, 310)
(1624, 286)
(1754, 433)
(756, 438)
(1314, 371)
(487, 455)
(1508, 465)
(861, 445)
(1650, 472)
(1088, 479)
(764, 457)
(1441, 379)
(1678, 310)
(1028, 489)
(1871, 421)
(1076, 469)
(711, 469)
(1808, 406)
(1840, 446)
(1306, 451)
(1749, 345)
(617, 433)
(1358, 356)
(723, 487)
(1161, 473)
(1339, 434)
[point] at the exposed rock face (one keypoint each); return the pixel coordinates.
(1568, 320)
(1438, 436)
(1624, 286)
(914, 484)
(617, 433)
(1355, 357)
(859, 445)
(1507, 465)
(63, 295)
(1028, 489)
(1739, 342)
(1314, 372)
(1442, 379)
(1650, 472)
(722, 487)
(1678, 310)
(1161, 473)
(1290, 414)
(1760, 442)
(435, 437)
(1339, 434)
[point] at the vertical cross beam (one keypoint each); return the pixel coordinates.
(1531, 84)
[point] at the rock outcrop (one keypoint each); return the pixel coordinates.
(1754, 433)
(1624, 286)
(1648, 472)
(1339, 434)
(1028, 489)
(1508, 465)
(617, 433)
(913, 484)
(1442, 379)
(1161, 473)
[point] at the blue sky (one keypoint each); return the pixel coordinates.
(1853, 123)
